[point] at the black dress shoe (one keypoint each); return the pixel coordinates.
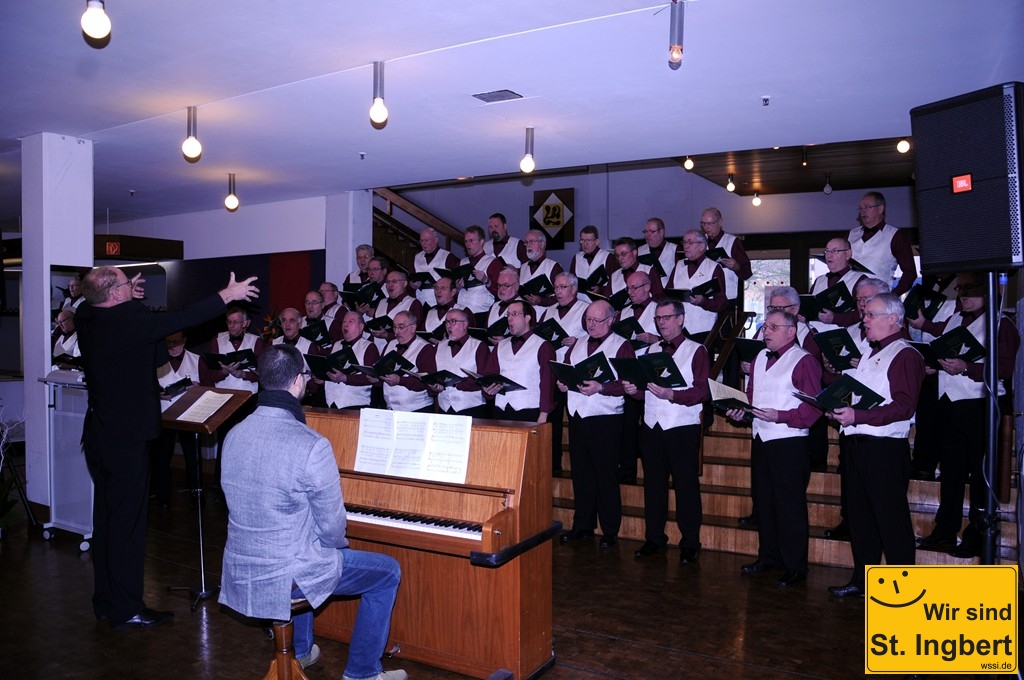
(576, 535)
(688, 555)
(967, 550)
(748, 521)
(147, 619)
(939, 543)
(849, 590)
(649, 548)
(791, 578)
(608, 541)
(756, 567)
(922, 475)
(840, 532)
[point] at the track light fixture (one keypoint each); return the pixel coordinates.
(827, 189)
(688, 163)
(730, 185)
(675, 35)
(231, 200)
(903, 145)
(378, 112)
(191, 149)
(757, 199)
(95, 22)
(528, 165)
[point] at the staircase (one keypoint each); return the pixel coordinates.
(725, 493)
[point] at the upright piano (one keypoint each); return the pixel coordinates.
(476, 586)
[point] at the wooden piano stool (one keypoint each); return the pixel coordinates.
(284, 665)
(476, 602)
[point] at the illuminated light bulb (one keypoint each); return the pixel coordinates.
(756, 200)
(903, 146)
(95, 22)
(378, 112)
(231, 202)
(527, 165)
(191, 147)
(675, 56)
(688, 163)
(730, 186)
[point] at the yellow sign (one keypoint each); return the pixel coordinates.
(941, 619)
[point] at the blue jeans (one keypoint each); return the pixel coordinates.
(375, 577)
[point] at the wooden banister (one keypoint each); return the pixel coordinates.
(448, 234)
(728, 340)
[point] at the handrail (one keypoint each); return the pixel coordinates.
(448, 233)
(729, 340)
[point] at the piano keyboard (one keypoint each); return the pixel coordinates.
(414, 522)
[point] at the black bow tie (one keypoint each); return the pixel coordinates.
(456, 345)
(874, 344)
(594, 343)
(517, 341)
(345, 344)
(970, 316)
(771, 354)
(401, 348)
(667, 345)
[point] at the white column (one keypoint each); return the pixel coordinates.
(349, 224)
(57, 229)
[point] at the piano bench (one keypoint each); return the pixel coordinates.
(284, 665)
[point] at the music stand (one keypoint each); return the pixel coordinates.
(171, 420)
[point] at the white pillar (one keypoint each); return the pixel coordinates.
(349, 224)
(57, 229)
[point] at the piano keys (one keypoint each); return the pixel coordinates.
(476, 557)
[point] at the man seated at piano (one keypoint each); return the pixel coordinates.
(286, 525)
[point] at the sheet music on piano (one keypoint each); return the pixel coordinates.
(427, 446)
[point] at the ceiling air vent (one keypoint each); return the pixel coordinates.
(497, 96)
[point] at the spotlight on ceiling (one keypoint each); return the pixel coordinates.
(528, 165)
(231, 200)
(378, 112)
(191, 149)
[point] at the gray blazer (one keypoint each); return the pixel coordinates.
(286, 517)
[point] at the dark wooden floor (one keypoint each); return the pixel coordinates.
(614, 617)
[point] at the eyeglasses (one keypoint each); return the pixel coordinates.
(452, 322)
(390, 281)
(693, 243)
(875, 315)
(403, 326)
(607, 318)
(865, 208)
(314, 303)
(708, 224)
(507, 285)
(305, 374)
(863, 298)
(535, 240)
(514, 313)
(638, 286)
(777, 326)
(562, 286)
(780, 308)
(833, 251)
(665, 317)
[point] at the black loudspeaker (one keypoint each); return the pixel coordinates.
(967, 160)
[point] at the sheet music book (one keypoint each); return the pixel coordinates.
(425, 279)
(652, 260)
(507, 385)
(176, 388)
(369, 294)
(716, 253)
(428, 446)
(597, 279)
(838, 347)
(551, 330)
(204, 407)
(463, 271)
(387, 364)
(433, 337)
(628, 327)
(846, 391)
(837, 298)
(317, 334)
(618, 301)
(927, 302)
(725, 398)
(657, 368)
(594, 367)
(444, 377)
(343, 360)
(499, 328)
(380, 323)
(538, 285)
(245, 358)
(958, 343)
(709, 288)
(749, 348)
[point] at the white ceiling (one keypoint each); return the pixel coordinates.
(283, 88)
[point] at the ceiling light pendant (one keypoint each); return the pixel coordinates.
(528, 165)
(95, 22)
(756, 200)
(231, 200)
(688, 163)
(803, 157)
(191, 149)
(730, 186)
(827, 189)
(903, 145)
(378, 112)
(675, 35)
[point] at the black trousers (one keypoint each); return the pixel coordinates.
(878, 474)
(594, 456)
(632, 417)
(780, 470)
(928, 430)
(481, 411)
(557, 421)
(162, 450)
(961, 454)
(672, 453)
(120, 475)
(526, 415)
